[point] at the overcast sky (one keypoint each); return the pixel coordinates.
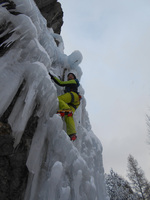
(114, 39)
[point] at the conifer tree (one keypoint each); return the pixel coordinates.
(137, 177)
(118, 188)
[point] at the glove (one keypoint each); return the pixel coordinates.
(51, 75)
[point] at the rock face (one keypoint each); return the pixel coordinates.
(52, 11)
(34, 146)
(6, 26)
(13, 170)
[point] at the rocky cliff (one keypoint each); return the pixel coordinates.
(37, 159)
(52, 11)
(13, 170)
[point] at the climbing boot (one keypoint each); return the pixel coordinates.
(73, 137)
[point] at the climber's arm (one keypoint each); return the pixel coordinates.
(63, 83)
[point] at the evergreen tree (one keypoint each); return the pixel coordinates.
(136, 175)
(118, 188)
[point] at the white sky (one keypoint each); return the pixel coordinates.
(114, 39)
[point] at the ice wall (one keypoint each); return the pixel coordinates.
(59, 169)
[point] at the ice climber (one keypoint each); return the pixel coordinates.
(69, 101)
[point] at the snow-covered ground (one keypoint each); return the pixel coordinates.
(59, 168)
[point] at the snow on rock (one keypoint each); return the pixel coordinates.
(59, 169)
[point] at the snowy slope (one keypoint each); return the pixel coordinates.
(59, 169)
